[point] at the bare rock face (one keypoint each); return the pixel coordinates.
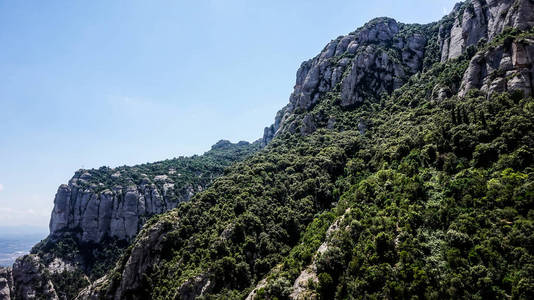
(6, 284)
(195, 287)
(145, 253)
(31, 280)
(377, 58)
(118, 213)
(482, 19)
(504, 68)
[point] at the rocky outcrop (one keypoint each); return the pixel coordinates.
(475, 20)
(115, 203)
(6, 284)
(195, 287)
(380, 56)
(375, 59)
(31, 279)
(145, 253)
(118, 212)
(507, 67)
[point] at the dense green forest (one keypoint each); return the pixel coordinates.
(433, 200)
(91, 259)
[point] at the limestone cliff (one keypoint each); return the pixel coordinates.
(117, 202)
(117, 212)
(505, 67)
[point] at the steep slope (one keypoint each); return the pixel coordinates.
(429, 178)
(99, 212)
(438, 205)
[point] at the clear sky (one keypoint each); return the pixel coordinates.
(91, 83)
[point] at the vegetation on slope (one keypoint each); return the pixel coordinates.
(441, 196)
(441, 200)
(93, 260)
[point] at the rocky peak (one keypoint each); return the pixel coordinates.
(221, 144)
(117, 212)
(379, 57)
(506, 67)
(115, 203)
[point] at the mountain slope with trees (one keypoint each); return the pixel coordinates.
(407, 175)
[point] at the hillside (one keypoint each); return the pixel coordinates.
(402, 167)
(99, 212)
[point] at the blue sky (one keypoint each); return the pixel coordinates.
(92, 83)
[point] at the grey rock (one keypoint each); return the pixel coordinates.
(6, 284)
(483, 19)
(195, 287)
(31, 280)
(308, 125)
(505, 68)
(117, 212)
(145, 253)
(368, 68)
(362, 127)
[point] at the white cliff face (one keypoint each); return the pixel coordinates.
(483, 19)
(117, 213)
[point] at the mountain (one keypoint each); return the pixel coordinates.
(402, 167)
(99, 212)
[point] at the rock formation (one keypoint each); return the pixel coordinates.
(119, 207)
(503, 68)
(6, 284)
(31, 279)
(482, 19)
(118, 212)
(380, 57)
(375, 59)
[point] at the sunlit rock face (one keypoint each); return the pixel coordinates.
(482, 19)
(119, 212)
(375, 59)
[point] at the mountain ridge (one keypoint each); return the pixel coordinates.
(283, 213)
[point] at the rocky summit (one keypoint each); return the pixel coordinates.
(402, 167)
